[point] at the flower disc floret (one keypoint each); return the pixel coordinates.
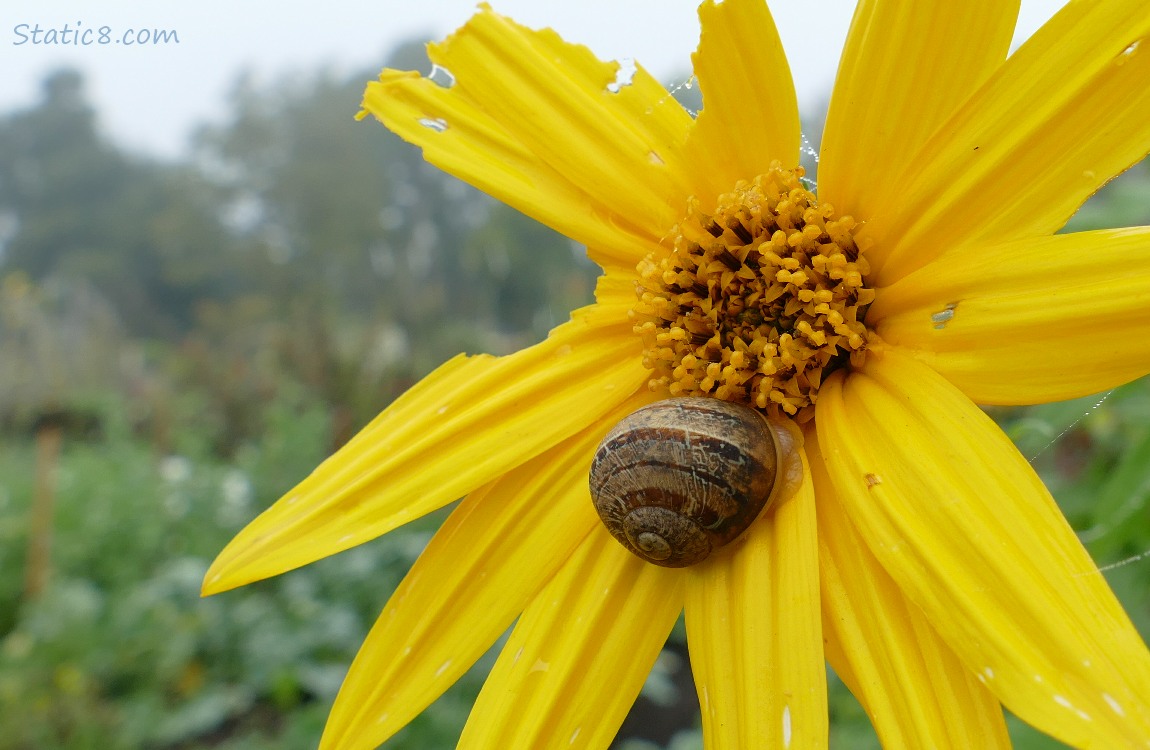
(756, 301)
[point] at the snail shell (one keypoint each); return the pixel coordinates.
(679, 478)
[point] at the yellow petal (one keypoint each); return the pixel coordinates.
(492, 555)
(461, 426)
(905, 69)
(750, 116)
(579, 654)
(754, 633)
(615, 295)
(960, 521)
(533, 121)
(915, 690)
(1028, 321)
(1064, 114)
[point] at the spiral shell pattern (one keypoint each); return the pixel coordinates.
(679, 478)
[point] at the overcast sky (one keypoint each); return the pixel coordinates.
(150, 96)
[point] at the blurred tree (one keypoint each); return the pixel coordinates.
(74, 205)
(378, 265)
(298, 246)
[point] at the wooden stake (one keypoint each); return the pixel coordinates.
(39, 560)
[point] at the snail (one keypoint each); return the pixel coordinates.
(679, 478)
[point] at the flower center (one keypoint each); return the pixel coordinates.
(757, 302)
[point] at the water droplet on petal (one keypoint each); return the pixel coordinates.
(441, 76)
(438, 124)
(1115, 706)
(624, 74)
(1126, 54)
(944, 316)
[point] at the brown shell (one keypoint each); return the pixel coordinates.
(678, 478)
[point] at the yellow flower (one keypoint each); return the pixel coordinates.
(921, 555)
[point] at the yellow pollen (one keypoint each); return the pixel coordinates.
(756, 302)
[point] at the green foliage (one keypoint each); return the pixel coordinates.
(121, 652)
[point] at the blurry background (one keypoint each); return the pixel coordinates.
(211, 276)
